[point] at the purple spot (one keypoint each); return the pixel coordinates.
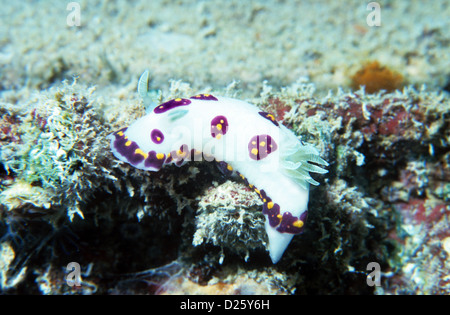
(135, 159)
(120, 131)
(261, 146)
(243, 178)
(269, 117)
(153, 161)
(157, 136)
(204, 97)
(286, 225)
(128, 151)
(169, 158)
(219, 126)
(127, 148)
(272, 213)
(304, 216)
(264, 195)
(184, 149)
(223, 167)
(164, 107)
(181, 155)
(179, 162)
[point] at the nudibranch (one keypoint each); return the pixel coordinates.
(244, 140)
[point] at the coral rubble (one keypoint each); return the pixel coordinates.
(64, 198)
(229, 216)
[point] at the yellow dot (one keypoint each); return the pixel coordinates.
(139, 151)
(168, 155)
(270, 205)
(161, 106)
(219, 136)
(177, 99)
(219, 126)
(229, 167)
(262, 143)
(128, 143)
(279, 216)
(125, 137)
(120, 133)
(221, 121)
(255, 151)
(242, 176)
(206, 95)
(158, 139)
(250, 185)
(298, 223)
(254, 142)
(264, 200)
(256, 190)
(181, 153)
(271, 117)
(160, 156)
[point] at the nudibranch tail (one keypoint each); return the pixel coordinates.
(278, 243)
(172, 131)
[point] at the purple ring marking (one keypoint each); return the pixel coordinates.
(272, 210)
(180, 155)
(287, 224)
(219, 126)
(157, 136)
(226, 169)
(169, 158)
(127, 148)
(155, 160)
(269, 117)
(164, 107)
(204, 97)
(259, 147)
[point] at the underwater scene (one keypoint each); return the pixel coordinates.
(259, 147)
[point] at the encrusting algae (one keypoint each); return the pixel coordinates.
(56, 144)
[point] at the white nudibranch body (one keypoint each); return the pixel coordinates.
(243, 140)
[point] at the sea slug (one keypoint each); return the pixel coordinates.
(243, 140)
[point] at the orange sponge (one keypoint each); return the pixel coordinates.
(376, 77)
